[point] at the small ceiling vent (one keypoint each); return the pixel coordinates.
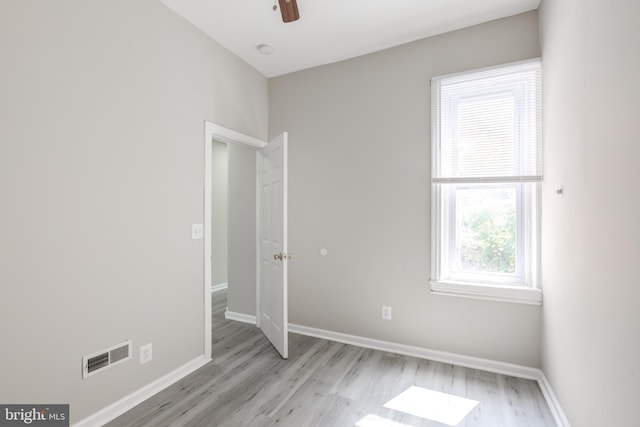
(101, 360)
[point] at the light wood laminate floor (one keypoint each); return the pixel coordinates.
(328, 384)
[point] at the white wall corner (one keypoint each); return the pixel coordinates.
(118, 408)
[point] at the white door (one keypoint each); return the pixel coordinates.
(273, 318)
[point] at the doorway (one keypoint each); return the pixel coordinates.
(219, 217)
(241, 219)
(256, 231)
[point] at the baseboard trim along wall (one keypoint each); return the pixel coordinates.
(118, 408)
(552, 401)
(240, 317)
(112, 411)
(445, 357)
(423, 353)
(220, 287)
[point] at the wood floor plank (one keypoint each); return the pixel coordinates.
(298, 376)
(360, 375)
(325, 384)
(522, 408)
(299, 409)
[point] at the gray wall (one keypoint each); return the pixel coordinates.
(102, 111)
(360, 186)
(219, 213)
(591, 234)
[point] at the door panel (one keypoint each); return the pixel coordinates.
(272, 247)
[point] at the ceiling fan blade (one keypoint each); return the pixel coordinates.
(289, 10)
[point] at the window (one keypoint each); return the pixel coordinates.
(486, 174)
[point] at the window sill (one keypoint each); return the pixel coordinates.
(513, 294)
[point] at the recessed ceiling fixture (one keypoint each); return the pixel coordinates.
(265, 49)
(289, 10)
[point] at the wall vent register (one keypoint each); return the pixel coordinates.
(103, 359)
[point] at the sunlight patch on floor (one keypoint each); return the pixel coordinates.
(376, 421)
(432, 405)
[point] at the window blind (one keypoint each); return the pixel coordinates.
(487, 125)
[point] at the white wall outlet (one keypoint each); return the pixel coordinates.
(197, 231)
(146, 353)
(386, 312)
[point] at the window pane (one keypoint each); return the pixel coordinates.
(485, 136)
(485, 230)
(486, 123)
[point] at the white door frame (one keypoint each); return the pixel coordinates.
(215, 132)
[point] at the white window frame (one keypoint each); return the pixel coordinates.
(521, 287)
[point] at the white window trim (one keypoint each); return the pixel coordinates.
(514, 294)
(522, 294)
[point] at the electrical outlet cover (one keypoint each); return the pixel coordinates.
(146, 353)
(386, 312)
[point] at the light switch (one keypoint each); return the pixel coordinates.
(197, 231)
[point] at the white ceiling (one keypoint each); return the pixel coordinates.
(333, 30)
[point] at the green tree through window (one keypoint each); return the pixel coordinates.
(487, 221)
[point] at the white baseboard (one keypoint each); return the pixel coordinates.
(445, 357)
(552, 401)
(240, 317)
(423, 353)
(219, 287)
(118, 408)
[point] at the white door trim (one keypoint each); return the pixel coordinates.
(215, 132)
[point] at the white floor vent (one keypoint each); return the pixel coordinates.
(103, 359)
